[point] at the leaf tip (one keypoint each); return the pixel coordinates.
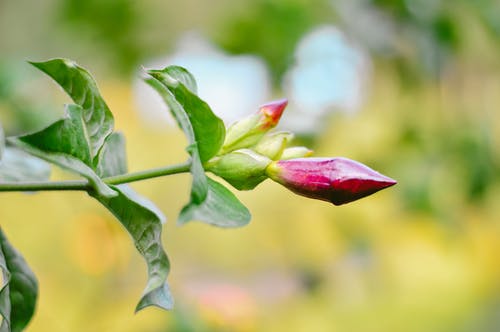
(159, 297)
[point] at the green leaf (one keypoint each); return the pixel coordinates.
(2, 142)
(81, 87)
(66, 144)
(199, 187)
(221, 208)
(69, 163)
(175, 109)
(19, 291)
(209, 131)
(17, 166)
(210, 201)
(143, 221)
(67, 136)
(184, 76)
(112, 158)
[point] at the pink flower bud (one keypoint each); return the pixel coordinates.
(272, 113)
(336, 180)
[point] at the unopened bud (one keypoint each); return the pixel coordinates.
(273, 144)
(272, 113)
(248, 131)
(296, 152)
(336, 180)
(243, 169)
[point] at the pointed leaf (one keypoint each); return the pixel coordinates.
(199, 187)
(82, 88)
(17, 166)
(112, 159)
(184, 76)
(209, 130)
(143, 221)
(221, 208)
(19, 291)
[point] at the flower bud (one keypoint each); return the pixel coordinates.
(271, 113)
(296, 152)
(336, 180)
(248, 131)
(273, 144)
(243, 169)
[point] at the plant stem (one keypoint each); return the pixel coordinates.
(84, 184)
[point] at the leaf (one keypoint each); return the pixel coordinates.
(112, 158)
(175, 109)
(65, 143)
(209, 131)
(81, 87)
(19, 292)
(69, 163)
(144, 221)
(17, 166)
(67, 136)
(210, 201)
(221, 208)
(199, 186)
(2, 142)
(184, 76)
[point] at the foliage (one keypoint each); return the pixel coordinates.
(84, 142)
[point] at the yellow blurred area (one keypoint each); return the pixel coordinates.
(300, 265)
(423, 255)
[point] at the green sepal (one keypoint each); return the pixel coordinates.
(19, 291)
(221, 208)
(244, 169)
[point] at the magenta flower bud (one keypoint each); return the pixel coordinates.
(336, 180)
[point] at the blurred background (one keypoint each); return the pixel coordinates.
(408, 87)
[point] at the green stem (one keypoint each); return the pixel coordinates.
(84, 185)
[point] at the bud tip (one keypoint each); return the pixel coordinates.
(273, 111)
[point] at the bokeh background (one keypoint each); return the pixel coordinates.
(409, 87)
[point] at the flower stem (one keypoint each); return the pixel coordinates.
(84, 184)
